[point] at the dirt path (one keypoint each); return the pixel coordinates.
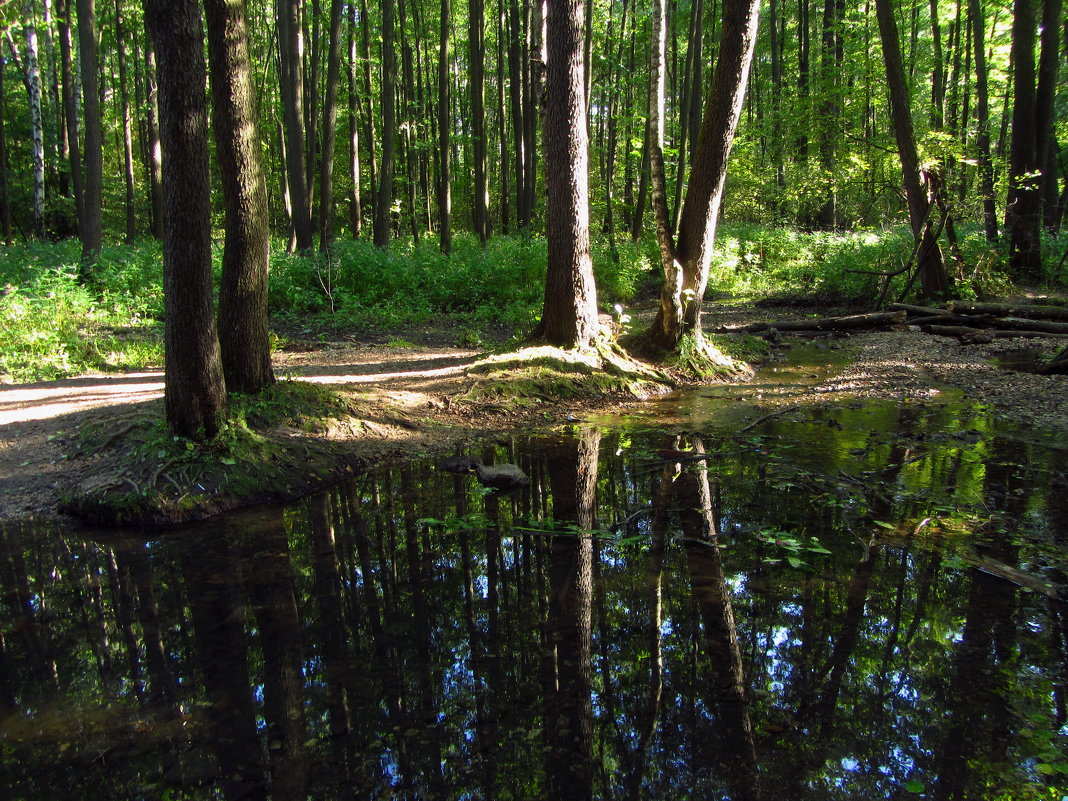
(408, 397)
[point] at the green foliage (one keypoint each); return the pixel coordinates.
(51, 326)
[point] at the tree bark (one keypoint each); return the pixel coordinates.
(291, 80)
(1045, 97)
(326, 167)
(476, 41)
(31, 77)
(194, 393)
(155, 153)
(70, 109)
(127, 129)
(243, 333)
(982, 114)
(686, 264)
(569, 316)
(444, 121)
(934, 280)
(5, 192)
(90, 225)
(356, 198)
(1023, 216)
(384, 199)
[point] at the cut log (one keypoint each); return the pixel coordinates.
(1048, 326)
(924, 310)
(851, 323)
(1028, 311)
(1058, 364)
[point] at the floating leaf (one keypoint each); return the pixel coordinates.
(915, 786)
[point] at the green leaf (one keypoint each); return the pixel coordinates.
(228, 460)
(915, 786)
(795, 562)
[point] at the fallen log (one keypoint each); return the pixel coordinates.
(1057, 365)
(990, 333)
(1049, 326)
(851, 323)
(1028, 311)
(924, 310)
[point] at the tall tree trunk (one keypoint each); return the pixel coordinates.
(194, 393)
(326, 168)
(686, 263)
(444, 123)
(476, 42)
(291, 80)
(243, 333)
(31, 78)
(372, 138)
(1023, 216)
(1045, 137)
(982, 113)
(90, 225)
(384, 199)
(569, 316)
(515, 103)
(127, 129)
(70, 109)
(356, 198)
(155, 153)
(934, 280)
(5, 192)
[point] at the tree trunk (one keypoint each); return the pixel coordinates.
(1023, 217)
(127, 129)
(384, 200)
(515, 102)
(243, 333)
(5, 192)
(291, 80)
(982, 113)
(31, 77)
(1045, 97)
(70, 109)
(687, 263)
(569, 316)
(90, 224)
(355, 199)
(195, 393)
(476, 42)
(444, 121)
(934, 280)
(326, 168)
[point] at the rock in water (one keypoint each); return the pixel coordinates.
(501, 476)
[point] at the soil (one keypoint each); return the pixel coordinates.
(410, 398)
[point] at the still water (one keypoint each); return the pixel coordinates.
(852, 600)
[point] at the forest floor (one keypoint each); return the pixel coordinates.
(413, 396)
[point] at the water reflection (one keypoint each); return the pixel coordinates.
(831, 605)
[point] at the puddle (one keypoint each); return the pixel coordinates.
(858, 600)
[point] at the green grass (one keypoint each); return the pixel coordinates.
(52, 326)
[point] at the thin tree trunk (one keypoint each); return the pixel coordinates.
(384, 200)
(444, 123)
(90, 226)
(127, 129)
(1023, 216)
(1045, 137)
(982, 112)
(934, 280)
(155, 153)
(5, 194)
(326, 168)
(355, 199)
(70, 108)
(31, 78)
(476, 42)
(291, 80)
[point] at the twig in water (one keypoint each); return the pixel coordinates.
(760, 420)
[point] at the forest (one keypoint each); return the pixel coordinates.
(377, 163)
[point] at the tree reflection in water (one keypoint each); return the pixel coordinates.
(649, 618)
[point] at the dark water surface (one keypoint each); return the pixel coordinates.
(854, 600)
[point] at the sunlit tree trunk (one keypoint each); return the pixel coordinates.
(686, 262)
(1045, 97)
(5, 192)
(569, 315)
(30, 67)
(934, 280)
(194, 394)
(356, 198)
(476, 41)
